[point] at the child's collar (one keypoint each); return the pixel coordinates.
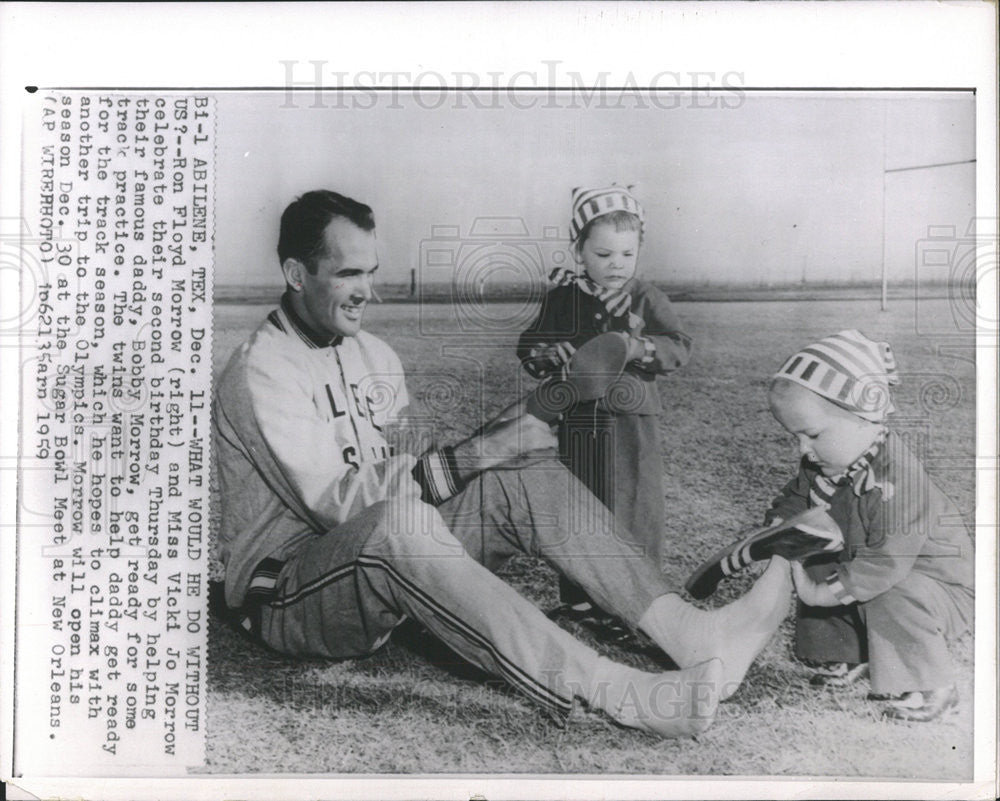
(864, 474)
(617, 301)
(869, 471)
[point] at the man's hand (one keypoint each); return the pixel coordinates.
(501, 441)
(408, 435)
(518, 437)
(810, 591)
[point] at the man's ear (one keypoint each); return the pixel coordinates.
(294, 272)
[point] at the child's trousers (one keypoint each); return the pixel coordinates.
(903, 633)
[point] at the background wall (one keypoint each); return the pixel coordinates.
(767, 189)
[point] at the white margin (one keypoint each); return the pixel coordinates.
(810, 44)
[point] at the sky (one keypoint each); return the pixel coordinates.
(740, 187)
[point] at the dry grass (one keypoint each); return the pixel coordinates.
(415, 708)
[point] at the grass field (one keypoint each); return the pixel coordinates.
(413, 707)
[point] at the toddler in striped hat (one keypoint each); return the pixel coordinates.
(886, 604)
(613, 444)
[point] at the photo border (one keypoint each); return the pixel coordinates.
(908, 45)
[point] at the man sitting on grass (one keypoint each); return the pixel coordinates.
(330, 539)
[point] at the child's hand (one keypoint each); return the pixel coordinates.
(810, 591)
(636, 348)
(552, 356)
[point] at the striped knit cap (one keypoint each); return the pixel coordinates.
(588, 204)
(849, 369)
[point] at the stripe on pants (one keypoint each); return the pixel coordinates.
(508, 669)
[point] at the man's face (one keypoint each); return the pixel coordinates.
(335, 296)
(828, 436)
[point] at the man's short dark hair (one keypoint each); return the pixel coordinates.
(306, 218)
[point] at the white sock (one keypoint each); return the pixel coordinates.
(735, 633)
(675, 703)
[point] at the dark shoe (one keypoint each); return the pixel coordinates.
(605, 627)
(612, 631)
(922, 705)
(571, 594)
(801, 536)
(837, 674)
(581, 612)
(589, 374)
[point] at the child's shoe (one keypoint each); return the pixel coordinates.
(836, 674)
(922, 705)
